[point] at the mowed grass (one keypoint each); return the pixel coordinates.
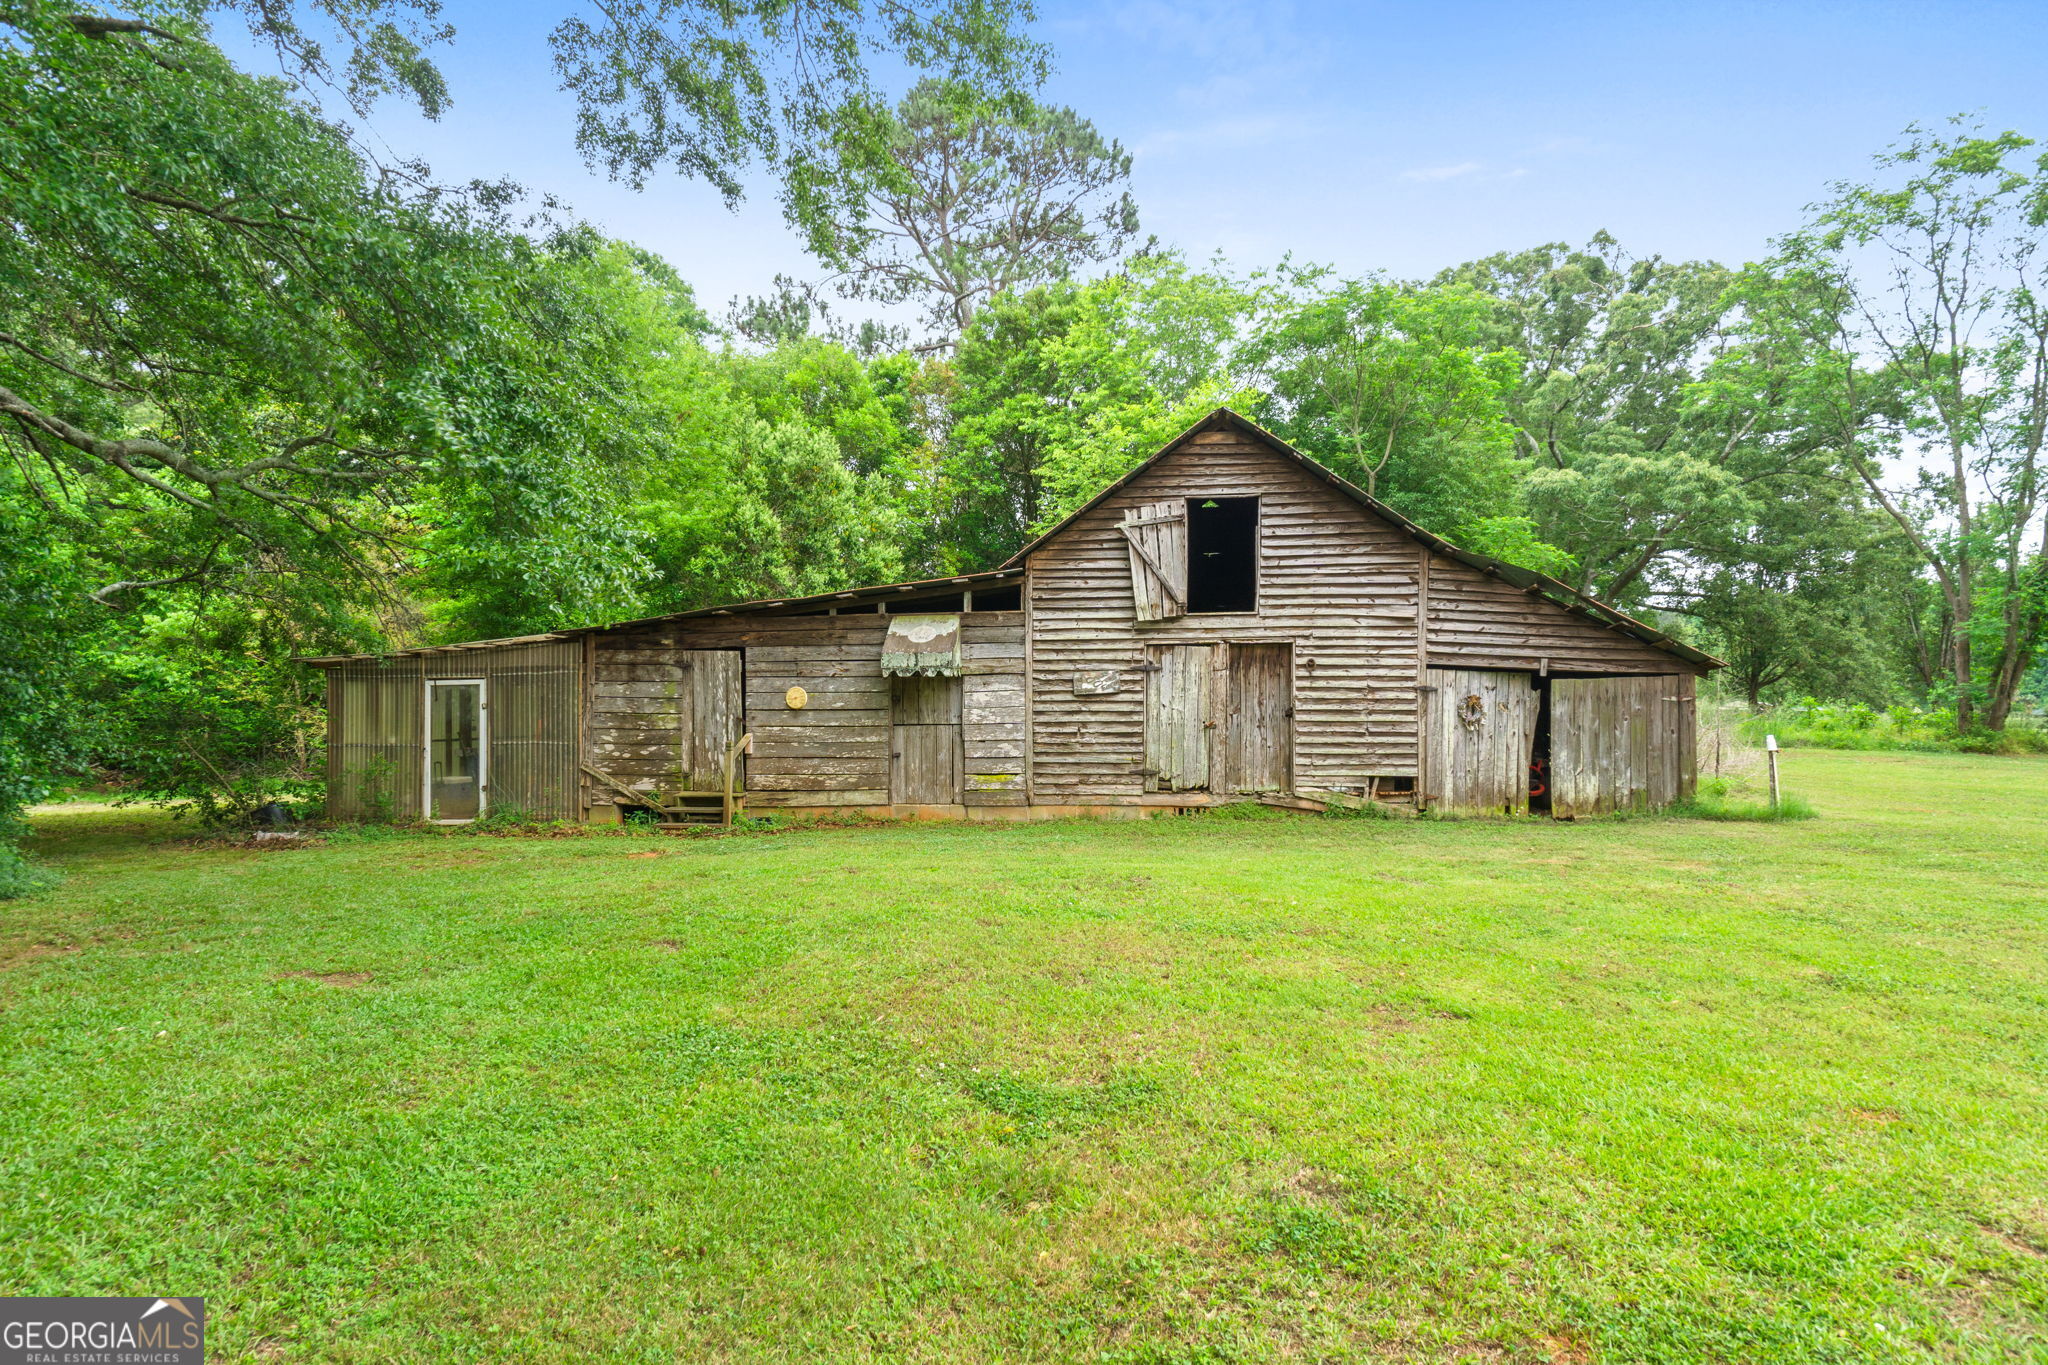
(1199, 1090)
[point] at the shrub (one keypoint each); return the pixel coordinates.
(1812, 724)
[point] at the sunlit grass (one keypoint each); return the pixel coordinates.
(1199, 1089)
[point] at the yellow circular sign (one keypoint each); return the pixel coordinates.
(796, 697)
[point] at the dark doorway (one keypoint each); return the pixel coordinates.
(1223, 554)
(1539, 753)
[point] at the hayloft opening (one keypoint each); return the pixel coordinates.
(1223, 554)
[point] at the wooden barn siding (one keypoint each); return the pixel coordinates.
(835, 750)
(1476, 621)
(1622, 743)
(1333, 580)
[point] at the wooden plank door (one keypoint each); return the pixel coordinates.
(1179, 717)
(1478, 735)
(1259, 719)
(926, 764)
(1621, 743)
(1157, 535)
(711, 713)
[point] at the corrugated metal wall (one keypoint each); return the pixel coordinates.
(375, 743)
(533, 693)
(377, 730)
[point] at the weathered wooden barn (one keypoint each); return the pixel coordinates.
(1229, 621)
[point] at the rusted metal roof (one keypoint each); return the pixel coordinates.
(1563, 594)
(880, 592)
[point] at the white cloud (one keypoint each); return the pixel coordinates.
(1441, 172)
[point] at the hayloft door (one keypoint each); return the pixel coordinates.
(1178, 717)
(1259, 720)
(710, 712)
(926, 752)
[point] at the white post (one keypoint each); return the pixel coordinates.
(1771, 752)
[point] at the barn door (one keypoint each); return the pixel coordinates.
(710, 708)
(1619, 743)
(1158, 537)
(1259, 720)
(1178, 718)
(926, 763)
(1478, 735)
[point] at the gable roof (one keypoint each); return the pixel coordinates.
(1559, 593)
(1011, 570)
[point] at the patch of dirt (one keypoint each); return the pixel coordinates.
(668, 945)
(1877, 1118)
(1317, 1184)
(31, 952)
(651, 853)
(267, 1349)
(1568, 1348)
(1389, 1020)
(2014, 1242)
(342, 979)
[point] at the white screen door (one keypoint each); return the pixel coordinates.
(455, 749)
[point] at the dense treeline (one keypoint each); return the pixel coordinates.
(261, 395)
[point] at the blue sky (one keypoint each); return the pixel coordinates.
(1403, 137)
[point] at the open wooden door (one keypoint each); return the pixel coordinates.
(1621, 743)
(711, 714)
(926, 760)
(1157, 536)
(1478, 735)
(1258, 723)
(1179, 717)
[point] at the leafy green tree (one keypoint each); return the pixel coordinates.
(1062, 388)
(44, 734)
(981, 195)
(1393, 386)
(710, 90)
(865, 408)
(1915, 298)
(231, 350)
(202, 707)
(1626, 466)
(1795, 594)
(789, 519)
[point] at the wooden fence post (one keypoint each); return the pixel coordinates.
(1771, 752)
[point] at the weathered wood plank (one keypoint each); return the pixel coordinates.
(874, 764)
(820, 743)
(1621, 743)
(783, 717)
(872, 700)
(1478, 739)
(865, 796)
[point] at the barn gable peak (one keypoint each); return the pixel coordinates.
(1224, 419)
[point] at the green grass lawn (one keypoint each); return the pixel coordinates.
(1203, 1090)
